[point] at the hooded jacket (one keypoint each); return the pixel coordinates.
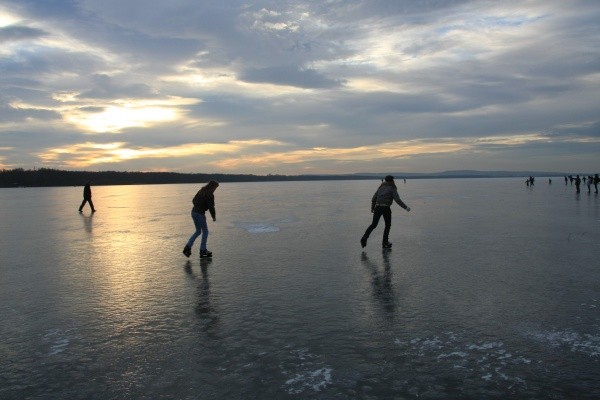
(386, 195)
(203, 201)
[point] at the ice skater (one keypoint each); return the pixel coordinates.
(203, 200)
(596, 181)
(381, 205)
(87, 197)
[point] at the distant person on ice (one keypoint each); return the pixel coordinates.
(87, 197)
(203, 200)
(381, 205)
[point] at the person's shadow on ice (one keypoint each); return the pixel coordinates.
(381, 283)
(204, 307)
(87, 222)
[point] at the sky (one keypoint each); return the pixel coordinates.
(300, 87)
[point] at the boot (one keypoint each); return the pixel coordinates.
(205, 253)
(363, 241)
(187, 251)
(386, 245)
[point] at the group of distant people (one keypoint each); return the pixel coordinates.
(589, 181)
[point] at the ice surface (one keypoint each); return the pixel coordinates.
(490, 291)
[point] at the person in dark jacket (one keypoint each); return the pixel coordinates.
(203, 201)
(87, 197)
(381, 205)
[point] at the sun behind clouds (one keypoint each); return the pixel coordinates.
(127, 114)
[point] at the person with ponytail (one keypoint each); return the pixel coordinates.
(381, 205)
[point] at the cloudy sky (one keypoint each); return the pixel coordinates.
(299, 86)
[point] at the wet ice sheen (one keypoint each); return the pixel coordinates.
(489, 292)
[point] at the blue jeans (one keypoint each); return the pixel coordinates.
(201, 229)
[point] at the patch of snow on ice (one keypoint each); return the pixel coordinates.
(580, 343)
(57, 340)
(259, 228)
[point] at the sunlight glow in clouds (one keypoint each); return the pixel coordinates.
(362, 153)
(7, 19)
(87, 154)
(126, 114)
(114, 118)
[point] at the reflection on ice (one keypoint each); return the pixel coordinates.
(381, 282)
(204, 306)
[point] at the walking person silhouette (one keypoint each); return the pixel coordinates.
(381, 203)
(87, 197)
(203, 201)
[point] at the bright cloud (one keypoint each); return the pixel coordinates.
(89, 153)
(115, 118)
(363, 153)
(121, 114)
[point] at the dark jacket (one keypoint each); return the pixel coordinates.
(204, 200)
(87, 192)
(386, 195)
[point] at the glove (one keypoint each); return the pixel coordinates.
(407, 208)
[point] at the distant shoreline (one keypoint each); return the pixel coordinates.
(45, 177)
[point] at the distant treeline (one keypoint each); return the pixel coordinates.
(53, 177)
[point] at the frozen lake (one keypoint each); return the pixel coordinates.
(492, 290)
